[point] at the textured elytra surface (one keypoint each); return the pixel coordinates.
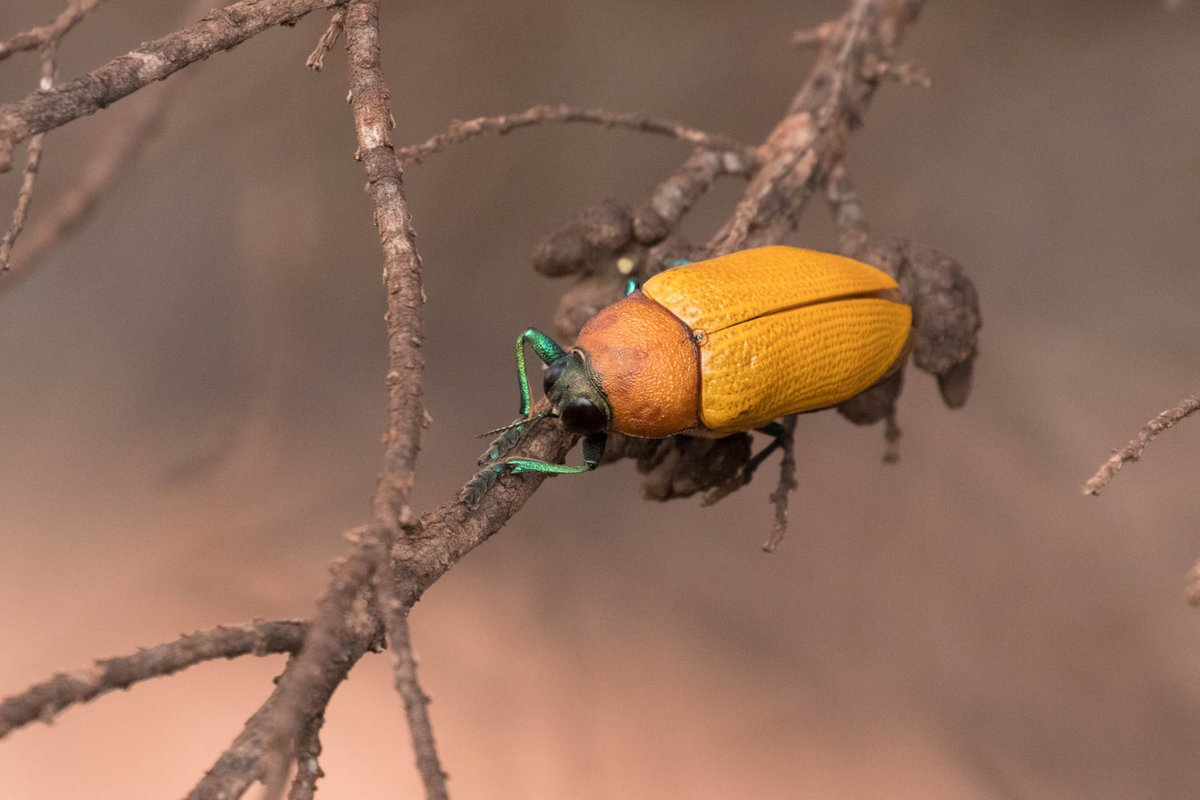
(712, 295)
(647, 367)
(798, 360)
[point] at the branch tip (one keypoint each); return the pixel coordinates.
(1133, 451)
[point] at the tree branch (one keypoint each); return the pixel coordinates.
(427, 550)
(241, 764)
(119, 149)
(373, 121)
(416, 706)
(44, 700)
(460, 131)
(33, 160)
(308, 768)
(1133, 451)
(117, 152)
(801, 151)
(153, 61)
(45, 34)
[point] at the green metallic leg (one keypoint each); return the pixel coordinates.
(593, 451)
(547, 350)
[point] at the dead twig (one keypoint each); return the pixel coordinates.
(460, 131)
(416, 706)
(153, 61)
(316, 59)
(43, 35)
(119, 150)
(241, 763)
(1133, 451)
(33, 160)
(801, 149)
(308, 768)
(44, 700)
(351, 593)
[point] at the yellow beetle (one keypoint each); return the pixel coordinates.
(721, 346)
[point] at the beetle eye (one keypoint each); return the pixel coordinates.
(582, 416)
(552, 374)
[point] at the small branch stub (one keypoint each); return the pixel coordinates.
(1133, 451)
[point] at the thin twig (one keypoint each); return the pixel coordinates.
(344, 627)
(45, 34)
(460, 131)
(33, 160)
(783, 490)
(373, 121)
(153, 61)
(44, 700)
(316, 59)
(675, 196)
(416, 706)
(793, 144)
(1133, 451)
(308, 768)
(118, 151)
(120, 148)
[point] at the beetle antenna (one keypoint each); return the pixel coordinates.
(514, 424)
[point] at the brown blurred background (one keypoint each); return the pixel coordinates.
(191, 400)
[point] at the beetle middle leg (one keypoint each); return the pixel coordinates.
(779, 437)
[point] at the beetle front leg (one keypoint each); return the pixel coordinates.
(547, 350)
(593, 452)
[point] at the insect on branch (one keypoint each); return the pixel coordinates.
(399, 555)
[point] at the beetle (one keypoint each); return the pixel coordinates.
(717, 347)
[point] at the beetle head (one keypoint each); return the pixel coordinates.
(575, 395)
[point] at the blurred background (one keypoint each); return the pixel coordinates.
(192, 397)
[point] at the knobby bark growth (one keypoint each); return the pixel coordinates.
(398, 554)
